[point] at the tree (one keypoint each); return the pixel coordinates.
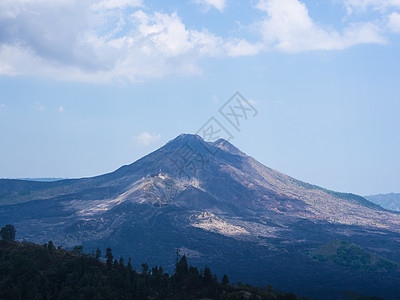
(145, 268)
(225, 280)
(130, 264)
(116, 264)
(109, 257)
(121, 261)
(78, 249)
(7, 232)
(51, 246)
(207, 275)
(193, 271)
(182, 266)
(98, 253)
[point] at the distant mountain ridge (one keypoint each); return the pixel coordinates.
(46, 179)
(389, 201)
(216, 204)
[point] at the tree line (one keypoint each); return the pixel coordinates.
(32, 271)
(41, 272)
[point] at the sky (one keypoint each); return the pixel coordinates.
(87, 86)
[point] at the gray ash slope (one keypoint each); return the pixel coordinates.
(229, 212)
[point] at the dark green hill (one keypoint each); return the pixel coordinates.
(349, 255)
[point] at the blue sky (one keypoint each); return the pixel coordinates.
(87, 86)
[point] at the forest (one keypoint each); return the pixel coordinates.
(32, 271)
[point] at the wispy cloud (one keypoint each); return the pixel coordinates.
(146, 139)
(207, 4)
(61, 109)
(111, 4)
(363, 5)
(252, 102)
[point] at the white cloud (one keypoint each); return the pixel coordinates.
(5, 68)
(242, 48)
(110, 4)
(61, 109)
(97, 42)
(394, 22)
(145, 139)
(218, 4)
(165, 32)
(289, 28)
(121, 40)
(363, 5)
(85, 41)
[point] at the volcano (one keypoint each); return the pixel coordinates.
(219, 207)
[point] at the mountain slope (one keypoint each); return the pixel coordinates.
(388, 201)
(30, 271)
(215, 203)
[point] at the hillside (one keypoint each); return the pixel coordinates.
(389, 201)
(352, 256)
(31, 271)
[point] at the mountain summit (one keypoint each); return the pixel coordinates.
(217, 205)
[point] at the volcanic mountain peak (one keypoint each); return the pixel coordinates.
(228, 147)
(222, 178)
(198, 145)
(194, 140)
(207, 197)
(214, 176)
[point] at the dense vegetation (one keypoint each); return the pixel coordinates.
(349, 255)
(30, 271)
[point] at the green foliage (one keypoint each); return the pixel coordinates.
(225, 280)
(121, 261)
(145, 268)
(109, 257)
(78, 249)
(349, 255)
(349, 295)
(182, 267)
(98, 253)
(130, 264)
(7, 232)
(30, 271)
(51, 247)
